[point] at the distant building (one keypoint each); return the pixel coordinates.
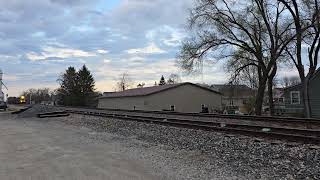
(235, 97)
(279, 101)
(182, 97)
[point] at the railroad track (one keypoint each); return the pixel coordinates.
(211, 115)
(283, 133)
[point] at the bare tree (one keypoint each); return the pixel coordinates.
(124, 82)
(242, 74)
(305, 15)
(223, 28)
(290, 81)
(174, 79)
(37, 95)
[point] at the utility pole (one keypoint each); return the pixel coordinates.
(1, 93)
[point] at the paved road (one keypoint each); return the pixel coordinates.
(51, 150)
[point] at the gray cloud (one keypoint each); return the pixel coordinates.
(30, 27)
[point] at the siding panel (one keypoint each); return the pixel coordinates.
(186, 98)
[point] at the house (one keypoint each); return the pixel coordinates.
(294, 99)
(235, 97)
(182, 97)
(279, 101)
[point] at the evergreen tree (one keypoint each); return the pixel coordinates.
(68, 90)
(86, 84)
(76, 88)
(162, 81)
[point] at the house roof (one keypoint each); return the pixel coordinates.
(150, 90)
(292, 86)
(234, 90)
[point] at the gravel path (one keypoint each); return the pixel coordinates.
(177, 153)
(197, 154)
(50, 150)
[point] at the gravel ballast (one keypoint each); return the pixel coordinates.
(38, 109)
(197, 154)
(180, 153)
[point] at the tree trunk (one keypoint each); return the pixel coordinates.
(306, 100)
(270, 90)
(270, 96)
(260, 96)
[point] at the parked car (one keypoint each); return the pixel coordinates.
(3, 105)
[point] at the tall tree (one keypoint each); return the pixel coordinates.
(306, 16)
(76, 88)
(86, 85)
(68, 90)
(256, 28)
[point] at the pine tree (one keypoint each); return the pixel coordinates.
(86, 84)
(76, 88)
(162, 81)
(68, 90)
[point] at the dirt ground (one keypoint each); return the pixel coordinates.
(94, 148)
(35, 150)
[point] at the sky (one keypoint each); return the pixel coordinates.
(41, 38)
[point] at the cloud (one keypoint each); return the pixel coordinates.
(102, 51)
(150, 49)
(134, 36)
(106, 61)
(142, 15)
(167, 35)
(54, 52)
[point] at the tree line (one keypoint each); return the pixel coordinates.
(77, 88)
(255, 38)
(125, 82)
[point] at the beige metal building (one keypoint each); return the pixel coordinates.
(183, 97)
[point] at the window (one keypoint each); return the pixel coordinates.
(295, 97)
(172, 108)
(244, 101)
(281, 100)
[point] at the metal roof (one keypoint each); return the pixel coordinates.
(150, 90)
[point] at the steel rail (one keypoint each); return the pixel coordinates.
(291, 134)
(289, 120)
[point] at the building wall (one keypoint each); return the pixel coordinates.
(121, 103)
(315, 96)
(293, 109)
(186, 98)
